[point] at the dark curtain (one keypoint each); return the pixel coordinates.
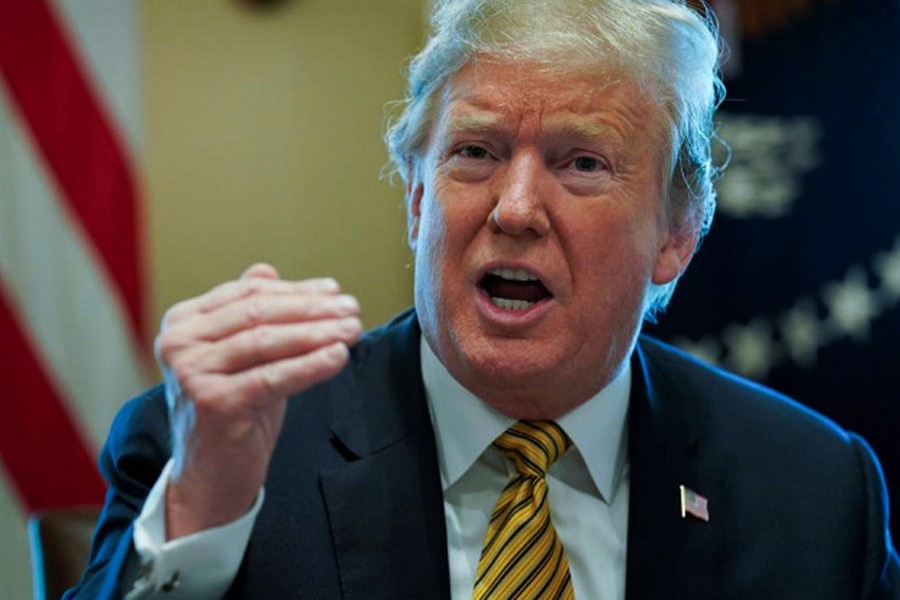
(798, 284)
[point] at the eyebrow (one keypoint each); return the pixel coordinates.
(585, 127)
(578, 128)
(570, 125)
(473, 124)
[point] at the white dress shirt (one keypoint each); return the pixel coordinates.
(200, 565)
(587, 487)
(588, 492)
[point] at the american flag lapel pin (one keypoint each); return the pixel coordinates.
(693, 504)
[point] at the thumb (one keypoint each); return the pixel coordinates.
(260, 271)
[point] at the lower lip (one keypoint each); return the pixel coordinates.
(510, 317)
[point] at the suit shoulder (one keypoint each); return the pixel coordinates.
(138, 444)
(709, 392)
(402, 328)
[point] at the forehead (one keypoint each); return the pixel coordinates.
(533, 97)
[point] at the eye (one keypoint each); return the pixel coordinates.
(470, 161)
(584, 172)
(472, 151)
(587, 164)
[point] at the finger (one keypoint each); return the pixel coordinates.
(192, 346)
(244, 288)
(232, 291)
(271, 310)
(260, 386)
(269, 343)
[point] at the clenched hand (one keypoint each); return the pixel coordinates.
(230, 359)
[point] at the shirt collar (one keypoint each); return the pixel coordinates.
(465, 426)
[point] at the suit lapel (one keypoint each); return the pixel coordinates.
(668, 556)
(385, 506)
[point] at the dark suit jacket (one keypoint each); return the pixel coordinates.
(354, 508)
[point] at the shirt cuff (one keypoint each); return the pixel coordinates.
(200, 565)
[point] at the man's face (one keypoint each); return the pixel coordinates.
(537, 221)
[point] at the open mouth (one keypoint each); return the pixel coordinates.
(514, 289)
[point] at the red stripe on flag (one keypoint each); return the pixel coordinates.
(70, 128)
(47, 460)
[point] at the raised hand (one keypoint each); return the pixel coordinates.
(230, 359)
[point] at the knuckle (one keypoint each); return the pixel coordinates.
(186, 374)
(165, 346)
(206, 393)
(251, 287)
(254, 310)
(221, 294)
(263, 342)
(172, 315)
(268, 380)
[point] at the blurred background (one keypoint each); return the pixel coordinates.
(150, 149)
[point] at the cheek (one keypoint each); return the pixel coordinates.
(431, 257)
(426, 284)
(450, 220)
(613, 260)
(430, 241)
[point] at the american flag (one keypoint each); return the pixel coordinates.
(693, 504)
(71, 286)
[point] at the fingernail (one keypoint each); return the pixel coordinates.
(338, 351)
(348, 302)
(330, 284)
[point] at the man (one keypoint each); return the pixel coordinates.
(512, 436)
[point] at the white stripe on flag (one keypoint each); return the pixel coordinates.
(106, 32)
(52, 277)
(79, 328)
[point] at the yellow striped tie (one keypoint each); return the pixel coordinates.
(523, 556)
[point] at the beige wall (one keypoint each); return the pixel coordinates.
(263, 142)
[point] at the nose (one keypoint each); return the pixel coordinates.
(520, 205)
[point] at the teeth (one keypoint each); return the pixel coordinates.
(508, 304)
(515, 274)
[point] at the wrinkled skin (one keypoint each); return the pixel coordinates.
(558, 175)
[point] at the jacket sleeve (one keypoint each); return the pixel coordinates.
(881, 576)
(136, 450)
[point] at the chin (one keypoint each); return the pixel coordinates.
(506, 365)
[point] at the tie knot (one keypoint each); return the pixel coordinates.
(533, 445)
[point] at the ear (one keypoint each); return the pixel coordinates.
(674, 255)
(414, 191)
